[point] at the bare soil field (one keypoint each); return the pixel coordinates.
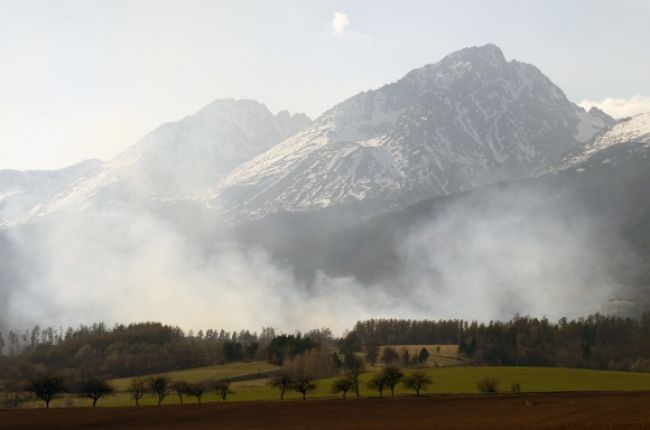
(539, 411)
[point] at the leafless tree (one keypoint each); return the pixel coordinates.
(46, 387)
(343, 385)
(137, 388)
(181, 388)
(372, 354)
(389, 356)
(95, 389)
(354, 367)
(418, 381)
(304, 385)
(222, 388)
(392, 375)
(283, 381)
(196, 390)
(378, 383)
(159, 385)
(14, 392)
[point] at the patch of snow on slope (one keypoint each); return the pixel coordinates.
(588, 126)
(634, 129)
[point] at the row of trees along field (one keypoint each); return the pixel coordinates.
(300, 373)
(48, 386)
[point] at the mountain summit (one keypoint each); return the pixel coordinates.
(183, 157)
(471, 119)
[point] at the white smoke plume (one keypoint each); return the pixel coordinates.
(466, 262)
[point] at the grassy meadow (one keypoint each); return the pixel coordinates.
(446, 380)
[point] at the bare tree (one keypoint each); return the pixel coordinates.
(354, 367)
(95, 389)
(283, 381)
(222, 388)
(137, 388)
(423, 356)
(181, 388)
(417, 381)
(378, 383)
(406, 357)
(392, 375)
(343, 385)
(159, 385)
(389, 356)
(315, 363)
(196, 390)
(304, 385)
(46, 387)
(372, 354)
(14, 392)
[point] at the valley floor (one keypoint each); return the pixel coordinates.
(540, 411)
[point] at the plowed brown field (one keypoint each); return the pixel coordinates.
(540, 411)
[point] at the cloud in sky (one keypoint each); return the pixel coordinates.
(340, 23)
(620, 107)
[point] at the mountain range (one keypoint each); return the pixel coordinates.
(340, 195)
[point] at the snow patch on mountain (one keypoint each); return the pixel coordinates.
(24, 191)
(589, 125)
(629, 135)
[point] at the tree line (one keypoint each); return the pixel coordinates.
(143, 348)
(597, 341)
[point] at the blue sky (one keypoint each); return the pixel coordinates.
(86, 78)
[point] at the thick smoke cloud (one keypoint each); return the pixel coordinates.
(509, 254)
(506, 254)
(136, 265)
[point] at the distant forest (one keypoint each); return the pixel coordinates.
(143, 348)
(597, 341)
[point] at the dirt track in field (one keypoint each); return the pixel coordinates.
(539, 411)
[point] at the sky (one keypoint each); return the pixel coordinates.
(87, 78)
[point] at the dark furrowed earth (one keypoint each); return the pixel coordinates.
(539, 411)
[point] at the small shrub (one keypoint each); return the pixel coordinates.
(516, 388)
(488, 384)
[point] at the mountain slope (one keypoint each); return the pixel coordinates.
(470, 120)
(627, 138)
(583, 226)
(22, 191)
(183, 157)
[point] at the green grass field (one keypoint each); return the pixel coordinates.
(453, 380)
(207, 373)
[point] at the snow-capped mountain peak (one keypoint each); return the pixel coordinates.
(471, 119)
(183, 157)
